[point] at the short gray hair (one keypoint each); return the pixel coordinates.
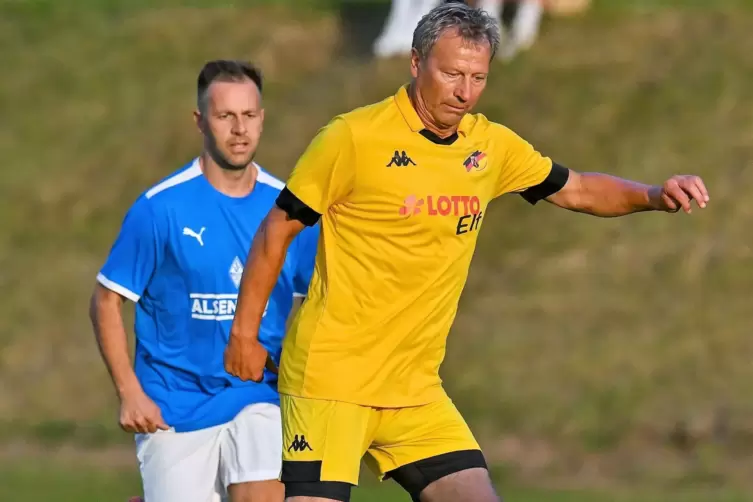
(473, 24)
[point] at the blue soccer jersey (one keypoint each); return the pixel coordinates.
(180, 256)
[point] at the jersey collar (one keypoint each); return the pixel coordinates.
(402, 100)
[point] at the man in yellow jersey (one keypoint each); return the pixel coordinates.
(401, 187)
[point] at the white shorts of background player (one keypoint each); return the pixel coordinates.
(198, 466)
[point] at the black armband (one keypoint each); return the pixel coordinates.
(296, 209)
(553, 183)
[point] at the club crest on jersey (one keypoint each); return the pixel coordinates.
(236, 272)
(475, 161)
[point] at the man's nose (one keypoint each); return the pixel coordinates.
(239, 127)
(463, 91)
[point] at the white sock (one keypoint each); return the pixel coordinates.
(493, 7)
(392, 39)
(525, 28)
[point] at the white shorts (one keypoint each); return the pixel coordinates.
(198, 466)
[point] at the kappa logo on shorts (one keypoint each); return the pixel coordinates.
(300, 444)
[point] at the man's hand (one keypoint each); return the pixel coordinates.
(246, 358)
(138, 413)
(678, 192)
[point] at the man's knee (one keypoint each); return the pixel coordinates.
(258, 491)
(457, 476)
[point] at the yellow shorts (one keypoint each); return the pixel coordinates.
(326, 440)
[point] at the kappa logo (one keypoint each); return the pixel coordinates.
(475, 161)
(400, 159)
(300, 444)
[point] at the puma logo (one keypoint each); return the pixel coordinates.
(187, 231)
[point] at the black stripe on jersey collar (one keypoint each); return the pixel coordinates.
(436, 139)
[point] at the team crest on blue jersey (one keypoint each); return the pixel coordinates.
(236, 272)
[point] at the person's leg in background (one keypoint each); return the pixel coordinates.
(389, 41)
(519, 23)
(493, 7)
(525, 26)
(527, 16)
(397, 36)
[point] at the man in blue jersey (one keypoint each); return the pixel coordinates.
(201, 434)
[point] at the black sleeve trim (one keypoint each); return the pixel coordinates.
(553, 183)
(296, 208)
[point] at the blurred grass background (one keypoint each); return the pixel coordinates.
(611, 356)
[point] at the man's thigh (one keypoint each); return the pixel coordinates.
(323, 442)
(471, 485)
(257, 491)
(180, 467)
(422, 445)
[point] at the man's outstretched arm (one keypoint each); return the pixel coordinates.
(245, 357)
(608, 196)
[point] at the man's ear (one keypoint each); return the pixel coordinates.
(198, 119)
(415, 63)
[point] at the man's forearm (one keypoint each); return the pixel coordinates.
(112, 341)
(608, 196)
(263, 266)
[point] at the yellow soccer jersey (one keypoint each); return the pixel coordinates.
(401, 214)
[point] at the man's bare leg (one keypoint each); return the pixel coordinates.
(257, 491)
(470, 485)
(308, 499)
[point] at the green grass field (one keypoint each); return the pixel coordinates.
(597, 354)
(71, 484)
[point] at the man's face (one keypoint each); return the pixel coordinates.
(452, 78)
(232, 122)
